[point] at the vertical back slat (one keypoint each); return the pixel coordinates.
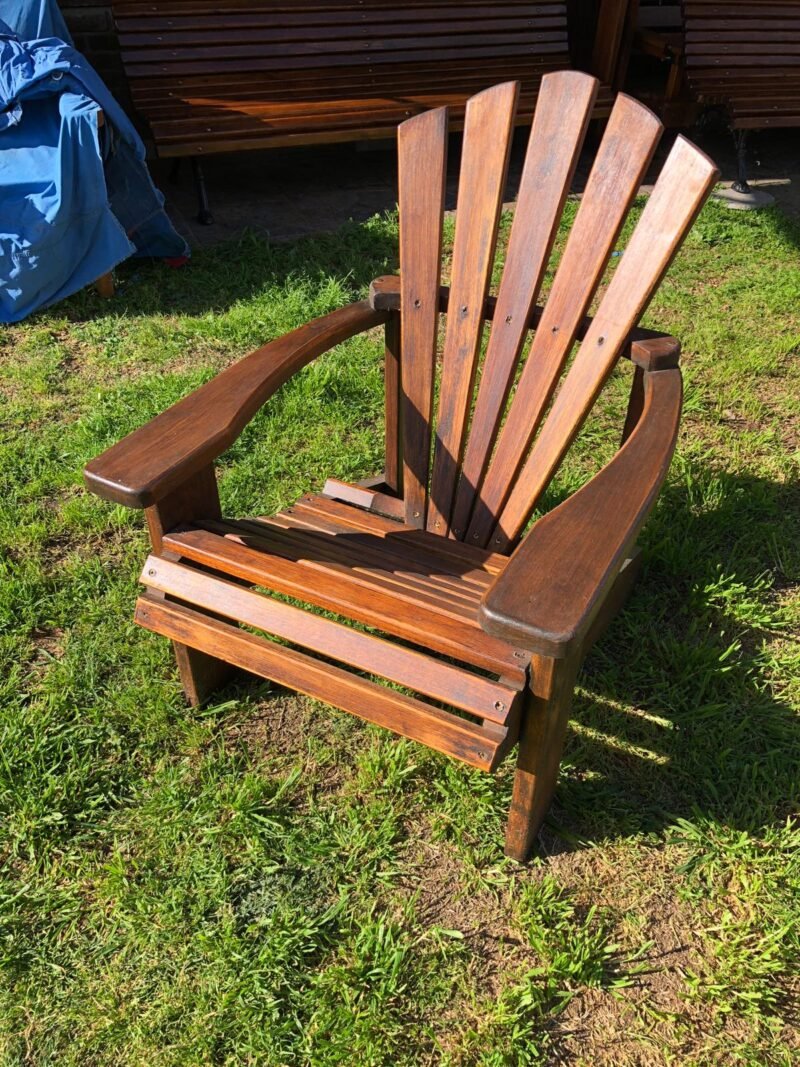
(625, 152)
(684, 183)
(488, 126)
(422, 151)
(562, 114)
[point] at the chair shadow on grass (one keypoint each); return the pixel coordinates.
(707, 737)
(674, 716)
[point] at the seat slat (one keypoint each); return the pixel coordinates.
(625, 152)
(488, 126)
(327, 562)
(480, 746)
(479, 696)
(412, 618)
(562, 115)
(387, 553)
(326, 546)
(458, 553)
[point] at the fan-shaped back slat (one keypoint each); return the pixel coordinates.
(487, 139)
(565, 103)
(625, 152)
(422, 151)
(684, 183)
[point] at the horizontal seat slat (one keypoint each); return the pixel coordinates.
(288, 60)
(446, 548)
(266, 33)
(480, 746)
(352, 47)
(316, 85)
(191, 8)
(325, 555)
(365, 551)
(477, 695)
(413, 618)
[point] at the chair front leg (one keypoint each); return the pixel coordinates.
(543, 729)
(196, 498)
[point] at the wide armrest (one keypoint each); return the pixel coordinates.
(555, 583)
(150, 462)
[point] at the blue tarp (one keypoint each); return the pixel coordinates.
(32, 19)
(75, 200)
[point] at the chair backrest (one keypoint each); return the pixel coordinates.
(471, 469)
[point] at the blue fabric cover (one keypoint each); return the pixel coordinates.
(32, 19)
(74, 200)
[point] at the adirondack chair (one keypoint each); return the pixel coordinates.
(484, 626)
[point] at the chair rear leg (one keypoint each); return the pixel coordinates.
(204, 215)
(544, 727)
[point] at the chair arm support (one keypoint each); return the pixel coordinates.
(555, 583)
(152, 461)
(648, 349)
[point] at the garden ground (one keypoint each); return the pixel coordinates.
(267, 881)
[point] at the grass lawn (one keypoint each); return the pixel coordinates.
(267, 881)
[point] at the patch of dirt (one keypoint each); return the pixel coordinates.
(277, 727)
(48, 644)
(289, 727)
(433, 874)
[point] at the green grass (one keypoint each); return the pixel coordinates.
(266, 881)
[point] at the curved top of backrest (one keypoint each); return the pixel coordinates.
(474, 471)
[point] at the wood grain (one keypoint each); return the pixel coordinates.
(558, 578)
(422, 161)
(484, 162)
(685, 181)
(477, 695)
(479, 746)
(147, 464)
(562, 116)
(626, 149)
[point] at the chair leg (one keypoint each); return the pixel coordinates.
(105, 286)
(541, 742)
(196, 498)
(204, 215)
(741, 184)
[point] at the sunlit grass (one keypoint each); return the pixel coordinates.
(266, 881)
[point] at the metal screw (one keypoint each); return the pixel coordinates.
(499, 705)
(417, 303)
(416, 514)
(509, 318)
(464, 310)
(554, 329)
(151, 573)
(601, 340)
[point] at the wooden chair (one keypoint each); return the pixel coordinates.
(745, 58)
(483, 628)
(239, 74)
